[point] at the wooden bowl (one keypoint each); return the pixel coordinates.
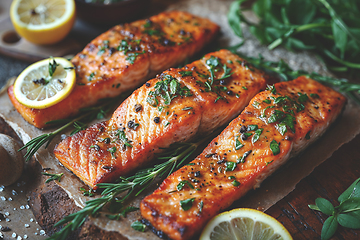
(113, 13)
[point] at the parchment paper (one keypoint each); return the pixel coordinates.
(273, 189)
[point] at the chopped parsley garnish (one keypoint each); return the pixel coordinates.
(187, 108)
(187, 203)
(230, 166)
(238, 144)
(267, 101)
(245, 88)
(132, 56)
(257, 135)
(314, 95)
(235, 183)
(201, 206)
(112, 150)
(271, 88)
(242, 158)
(252, 127)
(186, 73)
(91, 76)
(181, 184)
(275, 148)
(256, 104)
(123, 138)
(276, 116)
(168, 89)
(302, 97)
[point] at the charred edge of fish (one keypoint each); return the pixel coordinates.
(158, 233)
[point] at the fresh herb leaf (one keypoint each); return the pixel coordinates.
(242, 159)
(52, 66)
(275, 147)
(182, 183)
(347, 214)
(276, 116)
(325, 206)
(201, 206)
(186, 73)
(252, 127)
(329, 228)
(187, 203)
(138, 226)
(230, 166)
(87, 192)
(238, 144)
(53, 177)
(122, 137)
(235, 183)
(257, 134)
(112, 151)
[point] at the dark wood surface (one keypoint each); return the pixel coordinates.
(328, 181)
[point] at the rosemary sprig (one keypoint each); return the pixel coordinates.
(282, 69)
(88, 114)
(175, 156)
(53, 177)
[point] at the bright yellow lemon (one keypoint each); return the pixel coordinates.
(43, 21)
(244, 224)
(45, 83)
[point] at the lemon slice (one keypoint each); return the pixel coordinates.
(43, 21)
(244, 224)
(45, 83)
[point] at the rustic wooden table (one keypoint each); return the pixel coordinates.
(328, 181)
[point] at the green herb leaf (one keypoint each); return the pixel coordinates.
(348, 221)
(257, 134)
(53, 177)
(182, 183)
(352, 191)
(187, 203)
(138, 226)
(52, 66)
(276, 116)
(275, 148)
(252, 127)
(123, 138)
(235, 183)
(230, 166)
(329, 228)
(186, 73)
(238, 144)
(325, 206)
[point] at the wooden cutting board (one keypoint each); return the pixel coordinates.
(14, 46)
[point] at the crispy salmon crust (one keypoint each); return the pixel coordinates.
(174, 107)
(125, 57)
(242, 156)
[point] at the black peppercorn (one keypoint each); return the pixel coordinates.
(138, 107)
(157, 119)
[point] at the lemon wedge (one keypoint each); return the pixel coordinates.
(244, 224)
(45, 83)
(43, 21)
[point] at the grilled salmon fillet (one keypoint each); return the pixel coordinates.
(173, 107)
(276, 125)
(125, 57)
